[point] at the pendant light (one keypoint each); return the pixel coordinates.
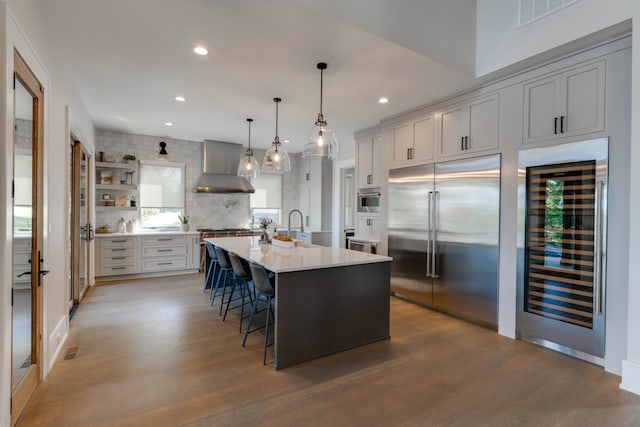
(276, 159)
(323, 142)
(248, 166)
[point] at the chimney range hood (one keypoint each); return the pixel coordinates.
(219, 169)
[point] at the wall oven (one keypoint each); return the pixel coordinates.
(367, 246)
(369, 199)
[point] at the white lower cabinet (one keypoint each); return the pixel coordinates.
(117, 255)
(161, 253)
(125, 255)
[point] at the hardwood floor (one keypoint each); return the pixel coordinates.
(154, 353)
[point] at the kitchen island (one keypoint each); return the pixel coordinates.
(327, 299)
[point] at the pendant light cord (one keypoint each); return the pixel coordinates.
(321, 121)
(277, 139)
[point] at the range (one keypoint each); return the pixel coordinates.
(219, 232)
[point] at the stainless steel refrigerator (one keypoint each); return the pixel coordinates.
(443, 236)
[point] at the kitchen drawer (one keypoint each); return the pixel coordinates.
(119, 260)
(127, 252)
(164, 264)
(119, 242)
(163, 240)
(164, 251)
(113, 270)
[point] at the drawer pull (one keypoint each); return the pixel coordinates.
(165, 263)
(119, 257)
(118, 249)
(118, 268)
(165, 250)
(165, 240)
(118, 241)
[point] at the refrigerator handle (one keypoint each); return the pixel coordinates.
(434, 235)
(597, 243)
(430, 216)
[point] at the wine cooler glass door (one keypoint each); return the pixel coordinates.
(561, 286)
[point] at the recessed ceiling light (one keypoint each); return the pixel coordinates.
(383, 100)
(200, 50)
(180, 98)
(168, 124)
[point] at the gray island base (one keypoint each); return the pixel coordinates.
(327, 299)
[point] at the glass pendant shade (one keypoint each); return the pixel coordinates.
(323, 142)
(248, 166)
(276, 159)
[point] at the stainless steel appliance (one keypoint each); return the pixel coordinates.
(363, 245)
(443, 236)
(218, 232)
(369, 199)
(562, 247)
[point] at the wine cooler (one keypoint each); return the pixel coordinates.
(562, 239)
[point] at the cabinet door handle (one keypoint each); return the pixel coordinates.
(408, 155)
(462, 143)
(466, 142)
(555, 125)
(369, 179)
(307, 220)
(561, 124)
(413, 156)
(308, 177)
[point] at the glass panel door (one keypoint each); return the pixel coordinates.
(27, 236)
(560, 233)
(81, 232)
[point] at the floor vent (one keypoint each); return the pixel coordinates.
(26, 363)
(72, 353)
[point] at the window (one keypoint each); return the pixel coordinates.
(532, 10)
(266, 202)
(162, 193)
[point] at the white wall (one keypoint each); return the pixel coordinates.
(500, 43)
(631, 366)
(26, 32)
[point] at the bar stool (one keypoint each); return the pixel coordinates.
(212, 270)
(264, 290)
(243, 278)
(225, 275)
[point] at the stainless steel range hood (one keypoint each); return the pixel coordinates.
(220, 168)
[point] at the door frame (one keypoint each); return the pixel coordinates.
(78, 149)
(31, 379)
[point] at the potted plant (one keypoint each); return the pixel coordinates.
(184, 222)
(264, 224)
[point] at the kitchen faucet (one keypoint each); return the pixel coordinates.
(301, 222)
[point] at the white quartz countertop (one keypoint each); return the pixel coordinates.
(303, 257)
(149, 233)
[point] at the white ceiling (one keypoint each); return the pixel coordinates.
(130, 58)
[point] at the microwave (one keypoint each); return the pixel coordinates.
(369, 199)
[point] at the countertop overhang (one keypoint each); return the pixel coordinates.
(303, 257)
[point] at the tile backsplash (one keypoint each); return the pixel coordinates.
(208, 210)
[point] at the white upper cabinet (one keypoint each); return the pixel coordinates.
(470, 126)
(413, 141)
(310, 170)
(565, 104)
(368, 161)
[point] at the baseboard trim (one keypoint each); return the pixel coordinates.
(57, 338)
(630, 376)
